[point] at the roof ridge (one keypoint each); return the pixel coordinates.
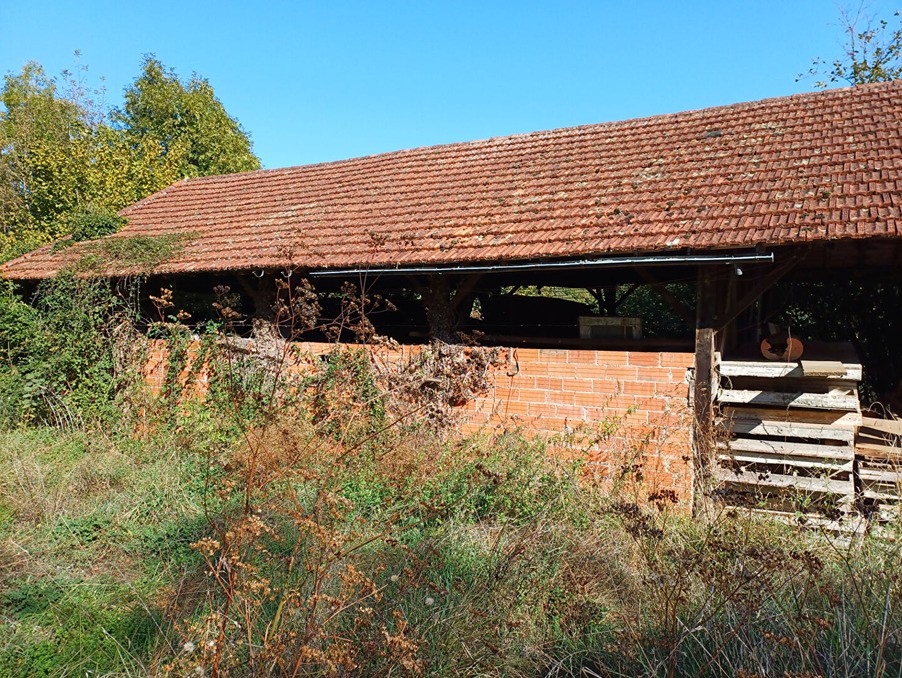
(291, 169)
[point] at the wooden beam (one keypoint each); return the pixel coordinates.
(703, 435)
(722, 319)
(678, 306)
(465, 289)
(626, 295)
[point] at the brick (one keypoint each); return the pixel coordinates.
(519, 380)
(569, 412)
(533, 369)
(611, 358)
(553, 355)
(550, 424)
(562, 397)
(582, 357)
(622, 373)
(578, 385)
(589, 371)
(564, 369)
(676, 391)
(639, 388)
(505, 394)
(651, 405)
(540, 409)
(650, 358)
(514, 407)
(683, 360)
(549, 383)
(606, 386)
(526, 355)
(661, 374)
(533, 395)
(592, 399)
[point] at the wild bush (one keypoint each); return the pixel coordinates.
(58, 352)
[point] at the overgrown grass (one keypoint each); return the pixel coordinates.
(94, 530)
(474, 558)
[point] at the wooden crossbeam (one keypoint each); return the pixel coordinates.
(678, 306)
(750, 297)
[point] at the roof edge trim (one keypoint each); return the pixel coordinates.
(607, 262)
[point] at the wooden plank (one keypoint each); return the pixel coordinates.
(875, 438)
(851, 523)
(840, 453)
(892, 427)
(782, 429)
(878, 452)
(880, 476)
(818, 401)
(767, 459)
(869, 493)
(780, 370)
(826, 417)
(792, 385)
(823, 368)
(775, 480)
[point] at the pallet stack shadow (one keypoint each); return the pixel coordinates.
(787, 436)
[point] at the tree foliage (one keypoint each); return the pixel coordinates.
(188, 122)
(872, 52)
(67, 164)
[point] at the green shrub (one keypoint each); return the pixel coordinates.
(58, 352)
(90, 222)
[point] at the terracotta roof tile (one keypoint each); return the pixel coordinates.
(816, 166)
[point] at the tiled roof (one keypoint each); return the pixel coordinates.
(818, 166)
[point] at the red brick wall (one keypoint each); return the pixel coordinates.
(625, 413)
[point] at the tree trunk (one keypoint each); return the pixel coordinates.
(440, 311)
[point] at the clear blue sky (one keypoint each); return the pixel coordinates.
(324, 80)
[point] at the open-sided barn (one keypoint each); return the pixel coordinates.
(725, 217)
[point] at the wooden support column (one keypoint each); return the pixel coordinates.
(262, 293)
(703, 434)
(444, 302)
(439, 310)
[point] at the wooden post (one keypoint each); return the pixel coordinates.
(440, 312)
(262, 293)
(703, 442)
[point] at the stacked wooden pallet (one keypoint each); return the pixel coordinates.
(878, 455)
(788, 434)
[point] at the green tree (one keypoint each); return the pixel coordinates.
(872, 52)
(67, 165)
(187, 121)
(44, 155)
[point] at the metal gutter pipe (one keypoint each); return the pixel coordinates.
(609, 262)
